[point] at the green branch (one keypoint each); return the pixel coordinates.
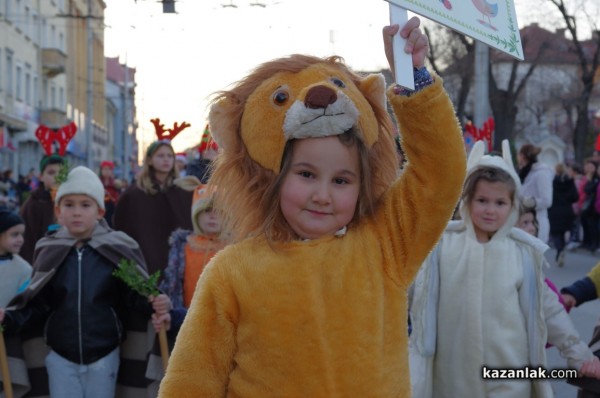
(129, 273)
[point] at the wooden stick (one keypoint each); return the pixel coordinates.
(8, 392)
(164, 346)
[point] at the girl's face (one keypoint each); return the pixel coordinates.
(320, 191)
(209, 222)
(490, 207)
(526, 223)
(11, 240)
(163, 159)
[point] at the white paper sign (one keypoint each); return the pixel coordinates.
(493, 22)
(402, 61)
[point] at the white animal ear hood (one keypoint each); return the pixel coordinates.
(478, 159)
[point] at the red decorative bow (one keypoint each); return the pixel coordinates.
(167, 134)
(47, 136)
(484, 134)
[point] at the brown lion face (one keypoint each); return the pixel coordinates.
(319, 101)
(290, 98)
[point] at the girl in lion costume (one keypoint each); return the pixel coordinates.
(311, 299)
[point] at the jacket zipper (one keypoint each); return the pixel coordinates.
(79, 256)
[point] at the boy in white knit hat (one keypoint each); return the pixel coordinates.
(74, 282)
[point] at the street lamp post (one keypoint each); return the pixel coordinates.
(90, 88)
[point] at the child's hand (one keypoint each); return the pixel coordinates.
(569, 300)
(591, 368)
(161, 321)
(161, 304)
(417, 43)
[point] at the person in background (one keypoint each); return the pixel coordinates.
(207, 152)
(23, 189)
(181, 163)
(576, 173)
(38, 209)
(191, 250)
(15, 273)
(152, 208)
(111, 191)
(589, 215)
(536, 178)
(561, 212)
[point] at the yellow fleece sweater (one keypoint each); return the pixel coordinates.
(327, 317)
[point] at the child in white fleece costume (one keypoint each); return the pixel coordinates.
(480, 298)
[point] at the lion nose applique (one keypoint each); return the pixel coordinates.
(319, 97)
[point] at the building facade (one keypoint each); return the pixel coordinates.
(121, 117)
(48, 49)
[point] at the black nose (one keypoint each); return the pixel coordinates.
(319, 97)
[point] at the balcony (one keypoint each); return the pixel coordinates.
(54, 62)
(53, 118)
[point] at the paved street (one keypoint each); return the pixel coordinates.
(577, 264)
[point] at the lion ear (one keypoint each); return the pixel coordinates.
(222, 125)
(373, 88)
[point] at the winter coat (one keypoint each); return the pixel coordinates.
(561, 213)
(538, 184)
(150, 220)
(38, 213)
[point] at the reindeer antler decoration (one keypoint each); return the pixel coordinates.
(167, 134)
(483, 134)
(47, 137)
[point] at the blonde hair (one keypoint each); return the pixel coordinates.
(248, 193)
(146, 180)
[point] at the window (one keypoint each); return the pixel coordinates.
(17, 14)
(36, 92)
(27, 27)
(61, 98)
(44, 36)
(9, 72)
(28, 87)
(9, 10)
(35, 28)
(52, 96)
(19, 89)
(44, 98)
(61, 42)
(52, 43)
(1, 62)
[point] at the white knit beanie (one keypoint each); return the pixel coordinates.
(82, 181)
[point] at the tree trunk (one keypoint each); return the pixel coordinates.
(581, 132)
(505, 114)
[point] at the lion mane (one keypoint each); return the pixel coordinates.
(247, 192)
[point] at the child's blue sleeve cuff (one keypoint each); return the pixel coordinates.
(23, 286)
(422, 79)
(583, 290)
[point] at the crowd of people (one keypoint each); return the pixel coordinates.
(289, 266)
